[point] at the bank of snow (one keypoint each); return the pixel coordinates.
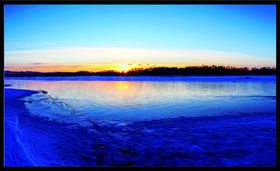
(15, 153)
(236, 140)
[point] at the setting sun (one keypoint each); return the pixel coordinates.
(124, 69)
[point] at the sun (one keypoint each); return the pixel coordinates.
(124, 69)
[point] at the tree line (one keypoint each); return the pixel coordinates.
(203, 70)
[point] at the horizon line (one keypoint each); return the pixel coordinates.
(139, 68)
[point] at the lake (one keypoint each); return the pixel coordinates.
(101, 99)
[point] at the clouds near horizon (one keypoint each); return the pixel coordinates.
(71, 56)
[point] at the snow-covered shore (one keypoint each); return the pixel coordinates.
(236, 140)
(14, 153)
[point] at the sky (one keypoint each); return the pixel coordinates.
(120, 37)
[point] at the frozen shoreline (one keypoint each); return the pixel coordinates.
(14, 153)
(239, 140)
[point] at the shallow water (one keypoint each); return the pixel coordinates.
(112, 99)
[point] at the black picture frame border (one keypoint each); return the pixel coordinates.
(141, 2)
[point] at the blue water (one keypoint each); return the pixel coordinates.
(103, 99)
(60, 128)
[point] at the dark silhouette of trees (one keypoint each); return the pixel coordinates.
(205, 70)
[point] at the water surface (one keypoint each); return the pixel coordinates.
(101, 99)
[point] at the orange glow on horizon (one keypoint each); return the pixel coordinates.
(72, 68)
(90, 67)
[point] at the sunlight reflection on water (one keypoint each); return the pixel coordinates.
(133, 100)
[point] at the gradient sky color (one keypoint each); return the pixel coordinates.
(97, 37)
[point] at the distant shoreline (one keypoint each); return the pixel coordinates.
(145, 78)
(204, 70)
(77, 75)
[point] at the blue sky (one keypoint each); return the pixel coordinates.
(239, 29)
